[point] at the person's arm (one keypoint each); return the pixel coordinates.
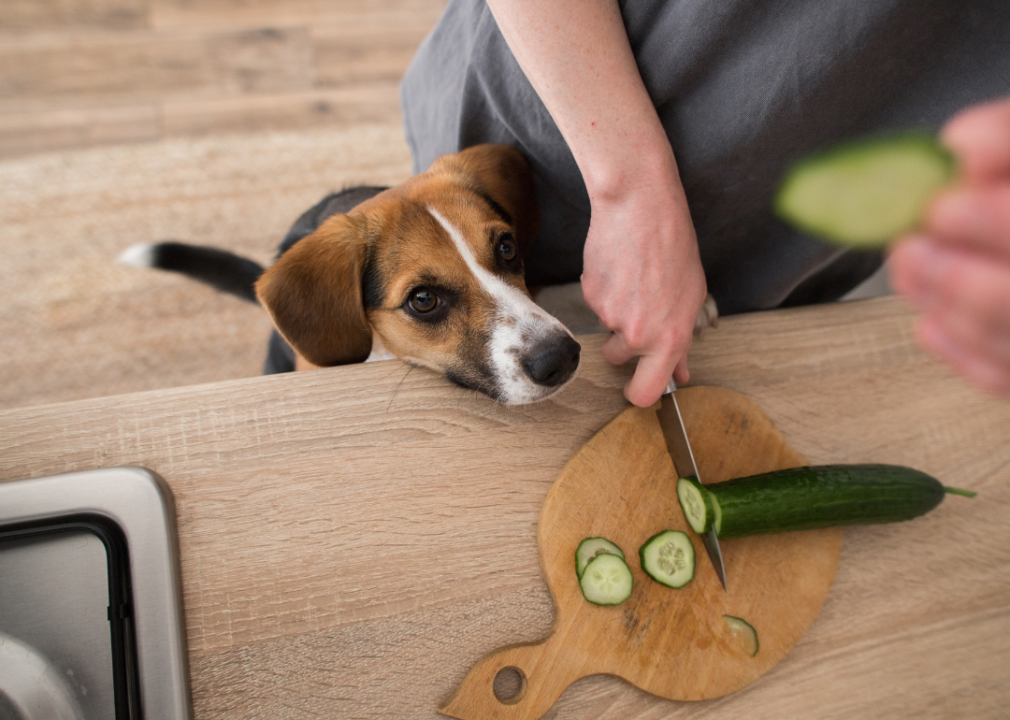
(957, 271)
(642, 273)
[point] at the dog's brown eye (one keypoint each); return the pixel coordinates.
(507, 248)
(422, 301)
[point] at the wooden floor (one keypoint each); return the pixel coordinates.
(80, 73)
(211, 121)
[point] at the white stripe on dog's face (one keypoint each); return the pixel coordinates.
(518, 326)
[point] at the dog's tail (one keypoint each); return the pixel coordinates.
(220, 269)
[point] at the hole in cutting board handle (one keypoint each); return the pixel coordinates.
(509, 685)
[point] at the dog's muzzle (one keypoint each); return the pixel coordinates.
(552, 361)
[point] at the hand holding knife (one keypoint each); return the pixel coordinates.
(683, 459)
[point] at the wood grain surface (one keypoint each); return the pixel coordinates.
(671, 643)
(215, 122)
(83, 73)
(354, 539)
(93, 327)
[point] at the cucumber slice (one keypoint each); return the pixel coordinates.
(606, 580)
(744, 633)
(718, 513)
(865, 193)
(668, 558)
(699, 505)
(806, 498)
(591, 547)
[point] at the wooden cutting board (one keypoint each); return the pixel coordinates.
(672, 643)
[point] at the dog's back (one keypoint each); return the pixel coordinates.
(233, 274)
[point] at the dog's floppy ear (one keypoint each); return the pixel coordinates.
(313, 294)
(501, 173)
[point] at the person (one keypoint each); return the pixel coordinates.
(956, 271)
(657, 132)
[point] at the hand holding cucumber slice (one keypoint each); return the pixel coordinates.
(865, 193)
(807, 498)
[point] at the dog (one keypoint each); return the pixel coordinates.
(429, 271)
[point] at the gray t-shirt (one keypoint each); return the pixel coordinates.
(743, 88)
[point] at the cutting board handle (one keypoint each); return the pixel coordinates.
(543, 677)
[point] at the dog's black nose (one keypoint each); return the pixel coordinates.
(552, 362)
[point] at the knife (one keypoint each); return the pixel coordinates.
(683, 459)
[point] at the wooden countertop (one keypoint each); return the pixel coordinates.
(354, 539)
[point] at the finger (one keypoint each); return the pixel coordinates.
(935, 276)
(650, 379)
(973, 217)
(909, 267)
(680, 373)
(979, 366)
(616, 351)
(967, 333)
(980, 137)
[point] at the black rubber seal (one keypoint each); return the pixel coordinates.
(126, 690)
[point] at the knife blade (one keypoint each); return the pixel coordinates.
(683, 459)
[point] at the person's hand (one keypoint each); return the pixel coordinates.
(643, 278)
(641, 271)
(957, 270)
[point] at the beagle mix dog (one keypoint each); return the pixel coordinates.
(429, 271)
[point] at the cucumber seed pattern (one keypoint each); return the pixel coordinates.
(671, 558)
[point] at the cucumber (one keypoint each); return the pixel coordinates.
(806, 498)
(865, 193)
(606, 580)
(590, 548)
(668, 558)
(744, 633)
(701, 509)
(697, 503)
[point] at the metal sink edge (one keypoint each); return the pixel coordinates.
(141, 504)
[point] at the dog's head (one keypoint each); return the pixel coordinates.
(434, 267)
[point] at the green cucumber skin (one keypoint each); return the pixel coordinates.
(808, 498)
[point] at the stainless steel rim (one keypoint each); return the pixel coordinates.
(140, 503)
